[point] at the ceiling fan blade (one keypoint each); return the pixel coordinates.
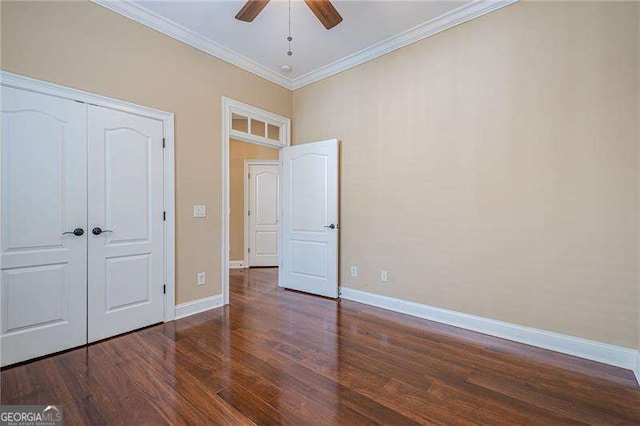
(325, 12)
(251, 9)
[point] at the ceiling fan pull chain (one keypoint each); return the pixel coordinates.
(289, 38)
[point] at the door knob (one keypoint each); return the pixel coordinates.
(332, 226)
(98, 231)
(77, 232)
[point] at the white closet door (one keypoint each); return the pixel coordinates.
(310, 218)
(125, 222)
(263, 214)
(44, 163)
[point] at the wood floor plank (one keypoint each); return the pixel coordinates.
(524, 390)
(253, 407)
(282, 357)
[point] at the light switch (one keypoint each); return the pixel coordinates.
(199, 211)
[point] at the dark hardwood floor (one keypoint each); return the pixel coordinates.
(277, 356)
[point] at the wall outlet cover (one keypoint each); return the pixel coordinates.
(354, 271)
(200, 278)
(199, 211)
(384, 276)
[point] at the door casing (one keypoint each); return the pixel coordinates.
(26, 83)
(230, 106)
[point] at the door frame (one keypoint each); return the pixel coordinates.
(230, 106)
(247, 203)
(167, 118)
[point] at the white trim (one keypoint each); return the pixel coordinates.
(583, 348)
(229, 106)
(637, 370)
(245, 206)
(25, 83)
(159, 23)
(170, 222)
(39, 86)
(198, 306)
(426, 29)
(237, 264)
(247, 164)
(254, 113)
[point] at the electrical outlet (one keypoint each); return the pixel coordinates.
(383, 276)
(199, 211)
(354, 271)
(200, 280)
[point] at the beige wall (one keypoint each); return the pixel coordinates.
(85, 46)
(493, 169)
(238, 152)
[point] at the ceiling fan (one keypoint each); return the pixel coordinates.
(323, 9)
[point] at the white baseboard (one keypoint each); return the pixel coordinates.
(236, 264)
(197, 306)
(583, 348)
(637, 370)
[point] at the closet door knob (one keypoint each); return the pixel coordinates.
(98, 231)
(77, 232)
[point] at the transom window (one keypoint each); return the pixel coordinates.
(253, 126)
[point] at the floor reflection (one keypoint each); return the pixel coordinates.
(283, 357)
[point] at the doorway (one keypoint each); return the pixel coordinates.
(302, 228)
(250, 135)
(253, 219)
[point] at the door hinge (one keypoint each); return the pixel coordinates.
(164, 289)
(248, 250)
(164, 215)
(248, 212)
(248, 175)
(164, 143)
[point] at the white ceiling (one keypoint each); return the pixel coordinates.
(369, 29)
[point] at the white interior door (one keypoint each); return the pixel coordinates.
(44, 195)
(263, 214)
(310, 218)
(125, 176)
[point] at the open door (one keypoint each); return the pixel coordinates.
(309, 226)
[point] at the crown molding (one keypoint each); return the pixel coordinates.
(426, 29)
(443, 22)
(180, 33)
